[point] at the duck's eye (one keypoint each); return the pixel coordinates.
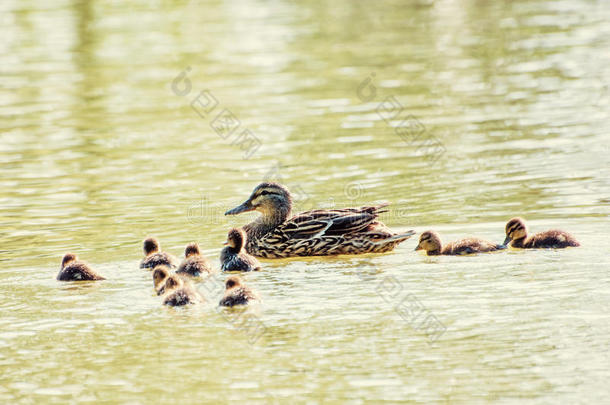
(265, 192)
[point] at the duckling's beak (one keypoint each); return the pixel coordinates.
(226, 242)
(245, 207)
(507, 240)
(418, 247)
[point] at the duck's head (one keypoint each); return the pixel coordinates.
(267, 198)
(191, 249)
(67, 259)
(515, 229)
(236, 239)
(151, 245)
(232, 282)
(160, 274)
(173, 282)
(429, 241)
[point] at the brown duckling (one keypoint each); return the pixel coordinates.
(178, 292)
(73, 269)
(194, 264)
(155, 257)
(430, 241)
(234, 257)
(516, 235)
(160, 275)
(237, 293)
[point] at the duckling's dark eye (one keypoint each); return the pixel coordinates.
(265, 192)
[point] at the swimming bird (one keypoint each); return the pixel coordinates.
(194, 264)
(178, 292)
(430, 241)
(237, 293)
(516, 235)
(276, 233)
(160, 275)
(233, 257)
(153, 256)
(73, 269)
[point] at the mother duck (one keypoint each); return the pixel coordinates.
(275, 234)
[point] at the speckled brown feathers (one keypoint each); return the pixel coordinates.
(517, 236)
(314, 233)
(160, 275)
(237, 293)
(155, 257)
(430, 241)
(179, 292)
(233, 257)
(73, 269)
(194, 263)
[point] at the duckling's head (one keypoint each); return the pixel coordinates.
(68, 258)
(191, 249)
(173, 282)
(269, 199)
(515, 229)
(151, 245)
(429, 241)
(236, 239)
(232, 282)
(160, 274)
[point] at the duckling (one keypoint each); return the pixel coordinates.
(154, 257)
(234, 257)
(236, 293)
(160, 275)
(516, 235)
(194, 263)
(430, 241)
(73, 269)
(178, 292)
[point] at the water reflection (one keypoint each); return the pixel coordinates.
(98, 151)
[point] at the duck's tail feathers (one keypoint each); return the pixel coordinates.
(398, 238)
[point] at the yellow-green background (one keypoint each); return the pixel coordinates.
(97, 152)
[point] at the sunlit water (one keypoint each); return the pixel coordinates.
(100, 146)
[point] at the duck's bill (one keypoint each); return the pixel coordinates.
(418, 247)
(506, 241)
(225, 242)
(245, 207)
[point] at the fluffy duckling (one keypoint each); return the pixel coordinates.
(516, 235)
(73, 269)
(430, 241)
(236, 293)
(160, 275)
(178, 292)
(194, 264)
(153, 256)
(233, 257)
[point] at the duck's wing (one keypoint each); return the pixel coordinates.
(318, 223)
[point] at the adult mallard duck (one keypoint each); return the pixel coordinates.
(430, 241)
(275, 234)
(516, 234)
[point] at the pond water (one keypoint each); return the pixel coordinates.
(461, 114)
